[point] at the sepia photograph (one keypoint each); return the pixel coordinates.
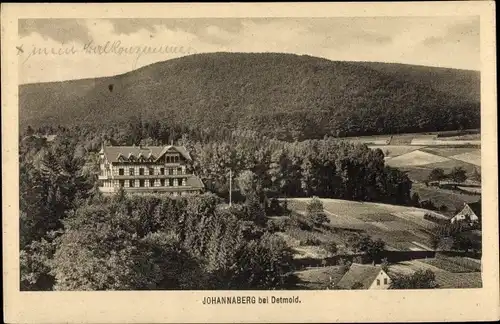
(266, 165)
(279, 154)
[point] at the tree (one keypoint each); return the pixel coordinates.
(264, 264)
(476, 175)
(415, 199)
(331, 247)
(463, 243)
(315, 212)
(102, 249)
(437, 174)
(458, 174)
(385, 265)
(248, 183)
(254, 210)
(419, 280)
(314, 206)
(373, 249)
(35, 266)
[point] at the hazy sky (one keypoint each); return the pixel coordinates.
(63, 49)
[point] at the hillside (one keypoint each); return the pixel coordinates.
(281, 95)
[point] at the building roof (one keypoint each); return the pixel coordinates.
(319, 278)
(113, 152)
(471, 209)
(476, 208)
(195, 182)
(362, 273)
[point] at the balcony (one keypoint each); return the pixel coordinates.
(104, 177)
(149, 189)
(147, 176)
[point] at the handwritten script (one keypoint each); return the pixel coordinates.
(108, 48)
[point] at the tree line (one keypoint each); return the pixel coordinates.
(72, 238)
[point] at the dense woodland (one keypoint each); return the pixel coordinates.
(73, 238)
(282, 96)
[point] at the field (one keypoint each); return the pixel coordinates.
(464, 137)
(447, 273)
(418, 154)
(451, 199)
(391, 151)
(419, 160)
(401, 227)
(415, 158)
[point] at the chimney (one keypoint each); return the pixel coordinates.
(171, 142)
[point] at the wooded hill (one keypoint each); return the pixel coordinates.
(282, 96)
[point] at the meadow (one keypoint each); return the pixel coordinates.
(401, 227)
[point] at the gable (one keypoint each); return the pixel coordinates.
(174, 149)
(137, 153)
(465, 213)
(383, 281)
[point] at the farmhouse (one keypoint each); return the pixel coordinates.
(470, 212)
(147, 169)
(363, 276)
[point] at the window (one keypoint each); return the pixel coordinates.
(171, 182)
(378, 282)
(385, 281)
(131, 183)
(151, 182)
(122, 183)
(162, 182)
(121, 171)
(131, 171)
(141, 183)
(151, 171)
(179, 170)
(162, 171)
(141, 171)
(176, 159)
(170, 171)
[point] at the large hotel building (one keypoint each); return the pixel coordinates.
(147, 169)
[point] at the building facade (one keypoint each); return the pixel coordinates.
(147, 169)
(364, 276)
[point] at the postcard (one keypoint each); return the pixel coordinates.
(266, 162)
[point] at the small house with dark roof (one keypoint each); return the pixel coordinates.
(470, 212)
(364, 276)
(141, 169)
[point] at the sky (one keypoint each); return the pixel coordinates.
(65, 49)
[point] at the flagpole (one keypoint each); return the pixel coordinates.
(230, 187)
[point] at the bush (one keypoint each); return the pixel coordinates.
(436, 174)
(419, 280)
(428, 204)
(331, 247)
(318, 219)
(278, 225)
(314, 206)
(311, 241)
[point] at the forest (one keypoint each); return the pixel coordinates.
(73, 238)
(282, 96)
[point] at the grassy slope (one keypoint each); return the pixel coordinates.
(398, 226)
(271, 93)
